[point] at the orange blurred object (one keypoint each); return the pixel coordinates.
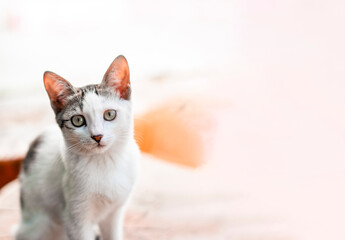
(174, 132)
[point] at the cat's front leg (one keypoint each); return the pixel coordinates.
(77, 225)
(111, 226)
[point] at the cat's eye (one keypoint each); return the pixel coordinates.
(109, 115)
(78, 120)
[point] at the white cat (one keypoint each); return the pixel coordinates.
(82, 174)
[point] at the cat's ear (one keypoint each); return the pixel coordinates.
(117, 77)
(58, 90)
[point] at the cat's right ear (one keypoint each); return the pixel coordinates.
(117, 77)
(58, 90)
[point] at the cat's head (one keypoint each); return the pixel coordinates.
(93, 118)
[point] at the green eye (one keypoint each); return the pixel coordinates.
(78, 120)
(109, 115)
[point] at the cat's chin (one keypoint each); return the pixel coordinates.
(98, 149)
(93, 150)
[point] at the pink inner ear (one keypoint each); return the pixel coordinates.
(57, 88)
(117, 77)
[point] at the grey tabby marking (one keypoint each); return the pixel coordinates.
(31, 155)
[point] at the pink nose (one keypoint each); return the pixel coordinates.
(97, 138)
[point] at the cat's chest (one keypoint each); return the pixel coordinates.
(112, 181)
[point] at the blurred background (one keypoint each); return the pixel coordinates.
(263, 82)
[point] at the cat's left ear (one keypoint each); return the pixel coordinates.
(58, 90)
(117, 77)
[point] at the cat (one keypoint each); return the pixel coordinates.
(81, 173)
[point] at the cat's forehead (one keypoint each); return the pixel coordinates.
(97, 89)
(93, 102)
(83, 97)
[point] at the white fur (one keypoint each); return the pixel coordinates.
(73, 184)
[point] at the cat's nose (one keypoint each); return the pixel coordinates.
(97, 138)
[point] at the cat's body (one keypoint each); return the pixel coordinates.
(82, 174)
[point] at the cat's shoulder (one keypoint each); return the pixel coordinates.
(51, 137)
(45, 145)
